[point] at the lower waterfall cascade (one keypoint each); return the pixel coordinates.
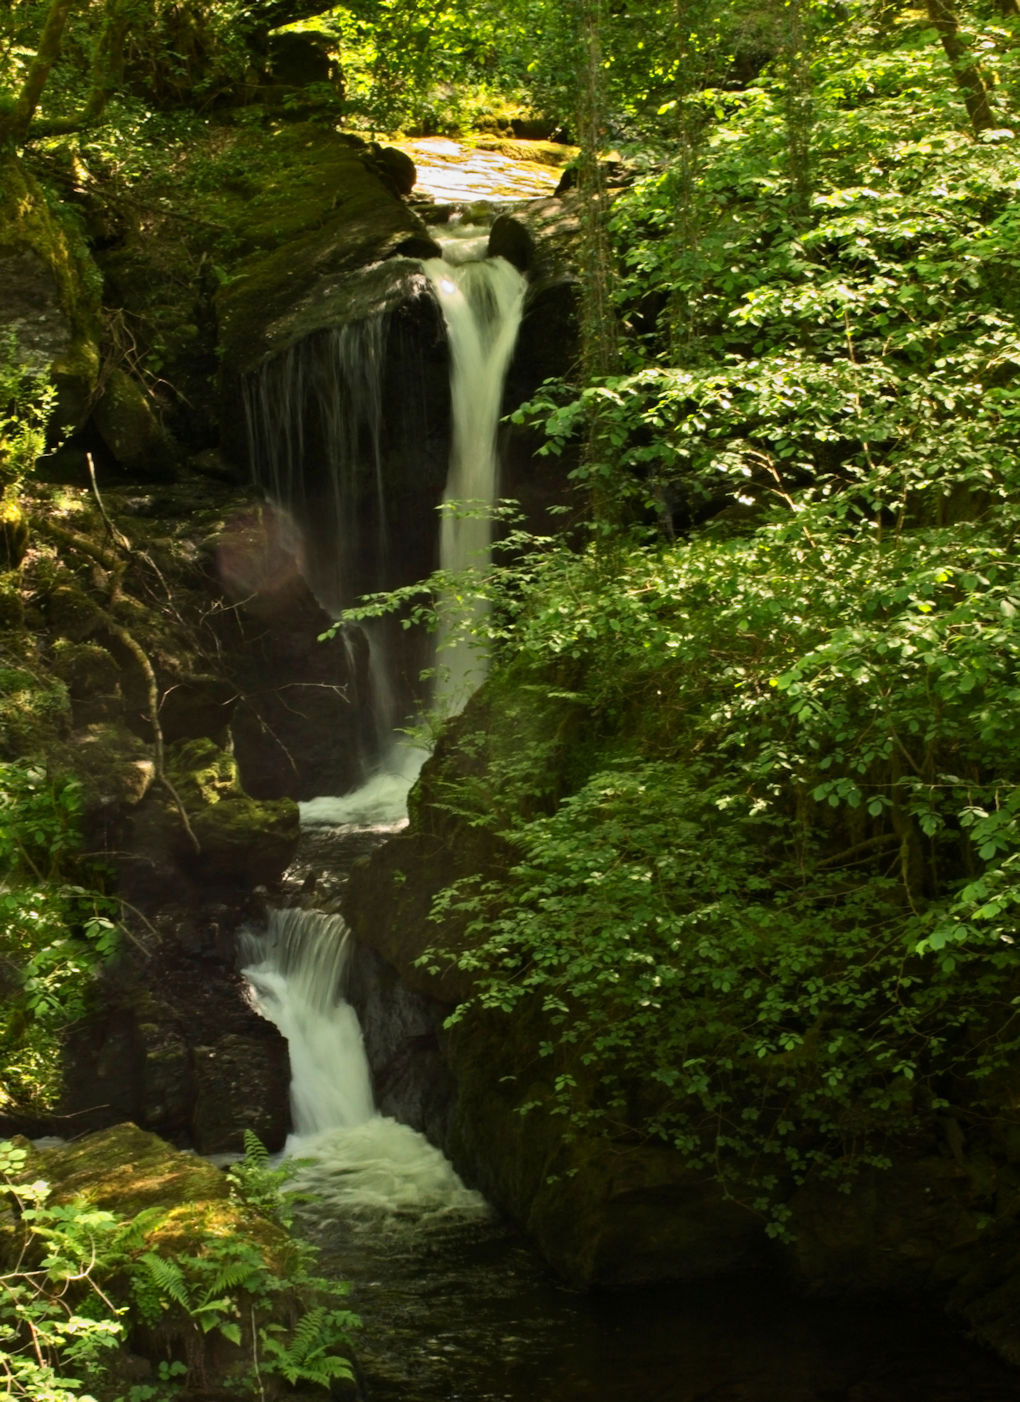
(353, 1159)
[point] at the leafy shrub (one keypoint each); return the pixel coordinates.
(26, 400)
(56, 930)
(76, 1281)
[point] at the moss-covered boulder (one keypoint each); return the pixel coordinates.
(116, 768)
(34, 710)
(127, 1170)
(131, 430)
(197, 1274)
(236, 838)
(92, 677)
(332, 217)
(49, 291)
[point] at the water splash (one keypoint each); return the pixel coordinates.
(352, 1159)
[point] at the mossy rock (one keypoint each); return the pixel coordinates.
(116, 768)
(92, 677)
(248, 839)
(49, 290)
(183, 1212)
(12, 604)
(545, 153)
(126, 1170)
(331, 217)
(202, 772)
(35, 711)
(601, 1213)
(14, 535)
(71, 612)
(130, 428)
(239, 838)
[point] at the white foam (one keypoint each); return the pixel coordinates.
(380, 1167)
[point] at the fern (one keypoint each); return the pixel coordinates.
(162, 1281)
(256, 1155)
(238, 1266)
(317, 1351)
(307, 1332)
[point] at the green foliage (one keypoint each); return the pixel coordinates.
(56, 932)
(409, 66)
(57, 1322)
(26, 400)
(80, 1279)
(234, 1286)
(773, 921)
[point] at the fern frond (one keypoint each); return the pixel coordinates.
(168, 1278)
(256, 1155)
(308, 1334)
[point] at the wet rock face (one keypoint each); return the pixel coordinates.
(32, 305)
(177, 1048)
(403, 1035)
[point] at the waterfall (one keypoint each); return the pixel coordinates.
(297, 981)
(481, 301)
(321, 419)
(314, 415)
(353, 1160)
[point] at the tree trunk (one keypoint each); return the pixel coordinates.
(107, 71)
(599, 331)
(15, 124)
(961, 61)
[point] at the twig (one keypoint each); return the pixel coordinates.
(116, 535)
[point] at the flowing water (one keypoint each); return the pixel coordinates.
(481, 302)
(456, 1306)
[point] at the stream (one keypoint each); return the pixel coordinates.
(456, 1306)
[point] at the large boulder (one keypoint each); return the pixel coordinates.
(201, 1274)
(48, 293)
(342, 218)
(236, 839)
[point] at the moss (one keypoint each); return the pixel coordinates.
(202, 773)
(126, 1170)
(239, 837)
(34, 711)
(114, 766)
(50, 283)
(12, 607)
(328, 217)
(130, 428)
(89, 671)
(243, 837)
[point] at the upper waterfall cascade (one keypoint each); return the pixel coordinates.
(318, 417)
(482, 300)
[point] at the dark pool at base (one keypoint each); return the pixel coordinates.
(464, 1312)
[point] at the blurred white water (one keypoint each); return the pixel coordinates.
(353, 1161)
(380, 802)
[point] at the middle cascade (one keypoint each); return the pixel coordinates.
(482, 301)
